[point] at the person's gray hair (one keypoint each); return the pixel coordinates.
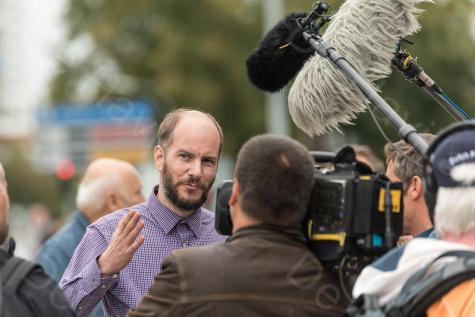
(455, 207)
(91, 195)
(407, 162)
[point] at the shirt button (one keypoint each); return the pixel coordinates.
(80, 307)
(184, 244)
(103, 286)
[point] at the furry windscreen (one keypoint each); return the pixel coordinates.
(366, 33)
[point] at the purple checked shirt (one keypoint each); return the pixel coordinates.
(164, 232)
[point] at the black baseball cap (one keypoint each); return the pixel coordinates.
(455, 148)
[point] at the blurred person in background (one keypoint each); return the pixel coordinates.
(405, 165)
(107, 185)
(43, 222)
(366, 155)
(121, 253)
(26, 289)
(265, 269)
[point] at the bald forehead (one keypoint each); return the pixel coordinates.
(102, 167)
(193, 121)
(193, 124)
(195, 117)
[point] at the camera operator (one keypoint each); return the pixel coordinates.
(449, 176)
(265, 269)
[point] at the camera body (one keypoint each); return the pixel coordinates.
(352, 211)
(348, 214)
(222, 218)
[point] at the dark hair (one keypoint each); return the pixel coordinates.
(275, 177)
(165, 131)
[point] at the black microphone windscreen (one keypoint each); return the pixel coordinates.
(280, 55)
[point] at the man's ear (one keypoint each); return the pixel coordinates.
(111, 201)
(234, 193)
(159, 157)
(416, 188)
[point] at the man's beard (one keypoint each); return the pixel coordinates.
(171, 192)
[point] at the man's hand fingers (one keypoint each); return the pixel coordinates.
(132, 236)
(123, 222)
(131, 224)
(137, 243)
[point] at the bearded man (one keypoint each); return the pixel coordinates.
(120, 254)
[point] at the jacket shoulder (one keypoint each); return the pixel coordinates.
(259, 271)
(41, 294)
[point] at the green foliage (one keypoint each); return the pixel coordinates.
(445, 49)
(179, 53)
(192, 53)
(25, 186)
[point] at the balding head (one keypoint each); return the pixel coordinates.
(4, 206)
(187, 154)
(108, 185)
(167, 127)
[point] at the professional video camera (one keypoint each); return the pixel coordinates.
(354, 215)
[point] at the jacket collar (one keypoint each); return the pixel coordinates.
(268, 230)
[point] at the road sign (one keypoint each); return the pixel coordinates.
(80, 133)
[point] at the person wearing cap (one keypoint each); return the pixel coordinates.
(449, 176)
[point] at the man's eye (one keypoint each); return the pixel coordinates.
(208, 162)
(184, 155)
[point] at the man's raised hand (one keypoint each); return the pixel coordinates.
(124, 243)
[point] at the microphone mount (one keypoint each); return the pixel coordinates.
(414, 73)
(316, 18)
(310, 28)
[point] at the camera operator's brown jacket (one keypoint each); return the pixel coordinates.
(261, 271)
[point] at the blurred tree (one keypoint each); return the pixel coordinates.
(25, 186)
(177, 53)
(445, 48)
(192, 53)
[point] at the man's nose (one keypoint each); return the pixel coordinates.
(195, 168)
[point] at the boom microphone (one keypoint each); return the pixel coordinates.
(366, 33)
(280, 55)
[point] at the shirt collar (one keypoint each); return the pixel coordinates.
(426, 233)
(168, 220)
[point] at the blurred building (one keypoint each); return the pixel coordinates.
(30, 33)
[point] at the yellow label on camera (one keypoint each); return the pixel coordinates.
(395, 200)
(338, 237)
